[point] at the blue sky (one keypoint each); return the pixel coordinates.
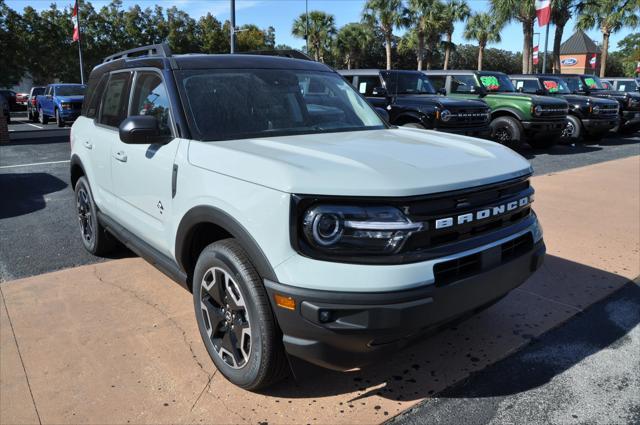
(281, 13)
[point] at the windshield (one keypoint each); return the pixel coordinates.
(574, 84)
(228, 104)
(407, 83)
(555, 86)
(70, 90)
(593, 82)
(496, 83)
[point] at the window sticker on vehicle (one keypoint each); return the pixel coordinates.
(551, 86)
(363, 88)
(591, 83)
(490, 82)
(519, 85)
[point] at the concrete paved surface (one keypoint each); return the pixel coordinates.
(116, 342)
(38, 205)
(586, 371)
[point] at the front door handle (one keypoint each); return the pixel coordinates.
(87, 144)
(120, 156)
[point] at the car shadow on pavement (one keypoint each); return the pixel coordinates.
(23, 193)
(35, 140)
(625, 139)
(438, 361)
(560, 149)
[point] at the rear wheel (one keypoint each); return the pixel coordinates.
(95, 238)
(235, 319)
(507, 131)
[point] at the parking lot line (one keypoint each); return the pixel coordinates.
(34, 164)
(33, 125)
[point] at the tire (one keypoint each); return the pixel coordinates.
(414, 125)
(95, 238)
(240, 308)
(507, 131)
(43, 118)
(573, 131)
(59, 120)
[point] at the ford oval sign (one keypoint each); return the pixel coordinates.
(569, 61)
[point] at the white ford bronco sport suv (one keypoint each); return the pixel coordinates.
(302, 222)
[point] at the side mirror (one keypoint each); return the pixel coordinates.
(442, 91)
(383, 114)
(142, 130)
(520, 89)
(541, 92)
(379, 91)
(479, 90)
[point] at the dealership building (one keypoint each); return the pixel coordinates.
(579, 55)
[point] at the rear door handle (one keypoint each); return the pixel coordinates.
(120, 156)
(87, 145)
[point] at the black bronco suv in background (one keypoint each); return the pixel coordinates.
(589, 117)
(590, 85)
(410, 100)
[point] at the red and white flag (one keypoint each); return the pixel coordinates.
(535, 55)
(543, 12)
(74, 19)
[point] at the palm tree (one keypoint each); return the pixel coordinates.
(483, 28)
(523, 11)
(386, 15)
(455, 11)
(561, 11)
(322, 28)
(609, 16)
(429, 21)
(351, 42)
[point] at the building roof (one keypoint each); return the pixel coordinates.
(579, 42)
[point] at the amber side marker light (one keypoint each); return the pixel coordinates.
(285, 302)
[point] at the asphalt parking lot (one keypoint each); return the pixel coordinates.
(562, 362)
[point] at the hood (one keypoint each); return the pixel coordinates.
(583, 100)
(391, 162)
(442, 101)
(70, 98)
(536, 99)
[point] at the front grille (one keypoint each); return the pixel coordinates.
(608, 110)
(463, 267)
(456, 204)
(468, 116)
(551, 111)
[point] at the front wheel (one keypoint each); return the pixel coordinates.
(95, 238)
(572, 132)
(59, 120)
(507, 131)
(44, 119)
(235, 319)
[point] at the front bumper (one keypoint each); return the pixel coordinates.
(346, 330)
(476, 131)
(554, 127)
(599, 124)
(69, 115)
(631, 117)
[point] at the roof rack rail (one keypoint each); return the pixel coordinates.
(287, 53)
(161, 50)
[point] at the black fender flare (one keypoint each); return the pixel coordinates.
(511, 111)
(208, 214)
(75, 162)
(421, 117)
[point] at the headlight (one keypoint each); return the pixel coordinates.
(445, 115)
(537, 110)
(357, 230)
(65, 105)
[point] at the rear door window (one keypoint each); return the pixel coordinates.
(366, 84)
(462, 83)
(113, 109)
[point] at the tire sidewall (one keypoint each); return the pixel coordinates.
(577, 124)
(513, 127)
(91, 246)
(224, 258)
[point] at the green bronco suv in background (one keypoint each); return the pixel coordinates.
(515, 117)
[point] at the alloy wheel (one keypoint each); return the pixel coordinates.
(502, 135)
(84, 215)
(225, 317)
(569, 130)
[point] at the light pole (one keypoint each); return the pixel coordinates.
(306, 30)
(232, 42)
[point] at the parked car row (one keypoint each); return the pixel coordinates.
(539, 109)
(61, 102)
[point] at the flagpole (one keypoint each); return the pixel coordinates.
(80, 42)
(544, 57)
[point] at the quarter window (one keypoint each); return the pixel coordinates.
(113, 109)
(150, 98)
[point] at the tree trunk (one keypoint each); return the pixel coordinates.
(605, 51)
(527, 58)
(480, 56)
(316, 53)
(348, 61)
(420, 49)
(387, 47)
(447, 51)
(557, 40)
